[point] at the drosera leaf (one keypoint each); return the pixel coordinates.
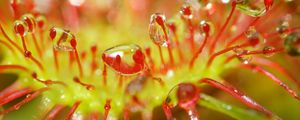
(230, 110)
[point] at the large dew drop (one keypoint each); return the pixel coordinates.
(20, 28)
(253, 8)
(187, 95)
(157, 29)
(61, 39)
(125, 59)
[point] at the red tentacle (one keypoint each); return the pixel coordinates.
(274, 78)
(237, 94)
(54, 112)
(28, 98)
(73, 109)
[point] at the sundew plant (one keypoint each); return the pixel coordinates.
(149, 59)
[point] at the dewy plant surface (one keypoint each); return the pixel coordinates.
(149, 59)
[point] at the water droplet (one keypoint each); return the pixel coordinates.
(253, 8)
(158, 29)
(61, 39)
(187, 95)
(245, 59)
(30, 22)
(20, 28)
(292, 44)
(240, 51)
(186, 12)
(268, 51)
(125, 59)
(252, 36)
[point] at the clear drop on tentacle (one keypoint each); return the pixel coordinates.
(20, 28)
(125, 59)
(61, 39)
(241, 55)
(253, 36)
(187, 95)
(292, 44)
(245, 59)
(239, 51)
(268, 51)
(30, 22)
(253, 8)
(157, 29)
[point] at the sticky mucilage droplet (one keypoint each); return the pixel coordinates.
(125, 59)
(20, 28)
(61, 39)
(158, 29)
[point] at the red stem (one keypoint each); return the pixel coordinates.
(37, 45)
(161, 55)
(88, 86)
(169, 46)
(235, 39)
(213, 56)
(253, 53)
(10, 89)
(10, 67)
(24, 43)
(55, 56)
(54, 112)
(195, 56)
(78, 62)
(48, 82)
(220, 33)
(191, 37)
(104, 74)
(178, 48)
(10, 40)
(73, 109)
(14, 95)
(28, 98)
